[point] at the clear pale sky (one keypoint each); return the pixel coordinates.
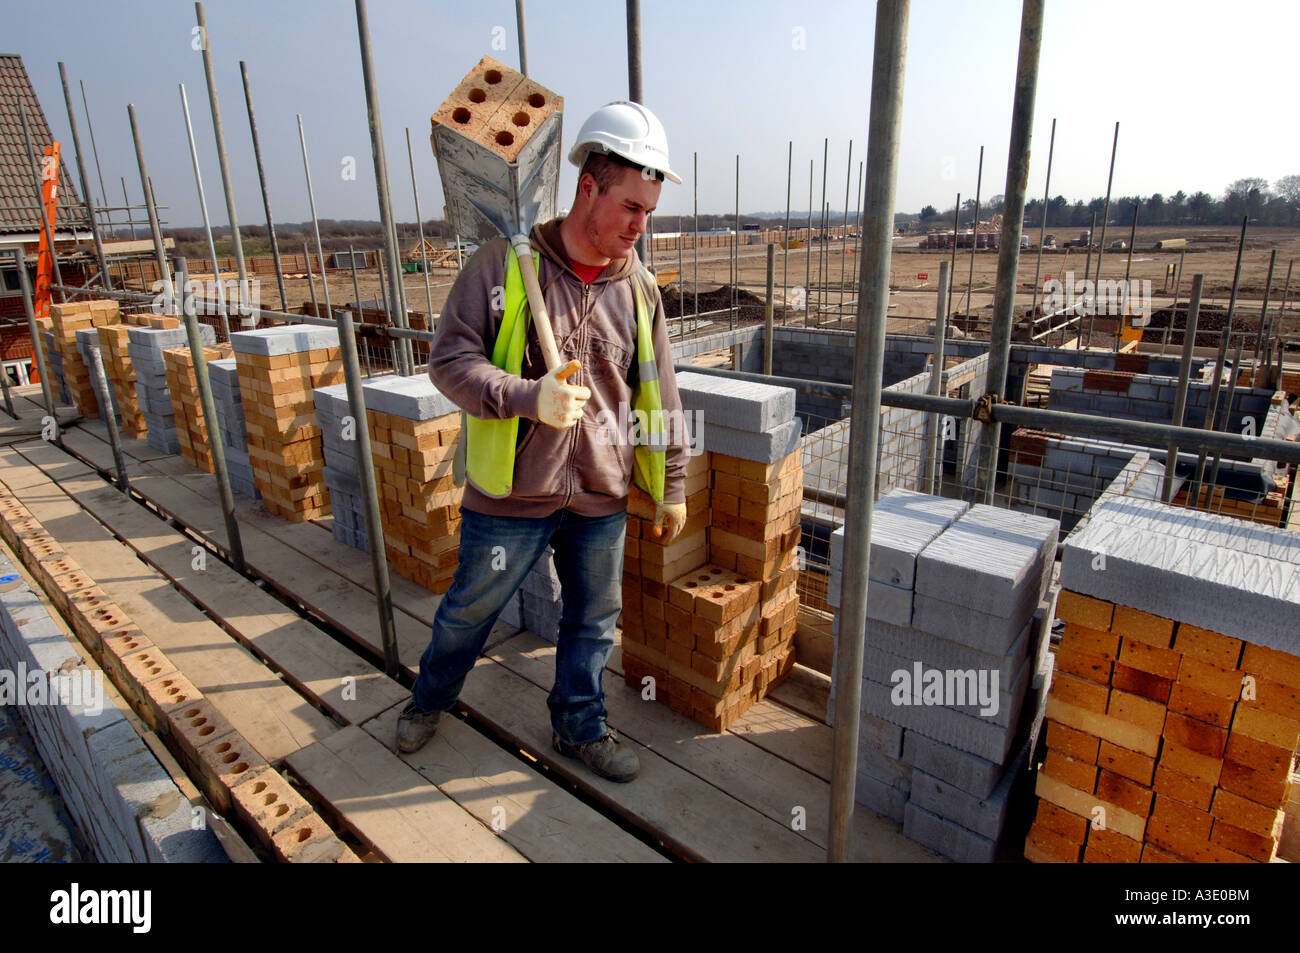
(1204, 92)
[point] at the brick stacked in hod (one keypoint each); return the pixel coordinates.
(1171, 733)
(711, 617)
(66, 320)
(413, 434)
(279, 368)
(183, 382)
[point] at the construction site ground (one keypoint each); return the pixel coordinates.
(277, 657)
(912, 303)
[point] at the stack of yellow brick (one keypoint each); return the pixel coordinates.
(66, 320)
(712, 616)
(413, 432)
(279, 368)
(1166, 742)
(191, 428)
(113, 340)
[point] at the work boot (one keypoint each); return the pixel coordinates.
(415, 728)
(607, 756)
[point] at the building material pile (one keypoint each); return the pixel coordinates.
(952, 651)
(88, 349)
(413, 434)
(537, 605)
(54, 358)
(224, 377)
(711, 617)
(66, 320)
(145, 346)
(114, 339)
(1174, 713)
(187, 409)
(279, 370)
(342, 479)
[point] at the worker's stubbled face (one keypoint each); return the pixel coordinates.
(617, 216)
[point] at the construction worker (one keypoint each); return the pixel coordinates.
(542, 468)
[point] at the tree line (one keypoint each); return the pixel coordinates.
(1262, 204)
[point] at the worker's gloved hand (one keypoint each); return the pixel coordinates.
(559, 405)
(669, 520)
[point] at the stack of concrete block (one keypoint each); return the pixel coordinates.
(1175, 711)
(223, 374)
(951, 651)
(712, 616)
(279, 370)
(88, 350)
(341, 474)
(537, 605)
(192, 430)
(145, 346)
(54, 358)
(414, 430)
(66, 320)
(113, 342)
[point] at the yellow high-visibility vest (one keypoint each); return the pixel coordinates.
(490, 443)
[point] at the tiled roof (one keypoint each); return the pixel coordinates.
(17, 179)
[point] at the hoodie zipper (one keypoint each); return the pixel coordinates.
(577, 428)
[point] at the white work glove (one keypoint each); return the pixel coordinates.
(669, 518)
(559, 405)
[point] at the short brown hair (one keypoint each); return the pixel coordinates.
(607, 168)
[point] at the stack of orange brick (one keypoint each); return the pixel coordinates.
(1169, 740)
(712, 616)
(113, 343)
(66, 320)
(191, 428)
(279, 368)
(413, 432)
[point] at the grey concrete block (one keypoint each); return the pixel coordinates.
(990, 634)
(947, 838)
(742, 405)
(988, 559)
(970, 773)
(284, 339)
(938, 652)
(878, 796)
(985, 816)
(169, 836)
(976, 735)
(1189, 566)
(766, 446)
(414, 398)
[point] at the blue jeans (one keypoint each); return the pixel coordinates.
(496, 553)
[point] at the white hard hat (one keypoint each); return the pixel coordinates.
(628, 130)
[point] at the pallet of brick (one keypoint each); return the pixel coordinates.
(113, 343)
(66, 319)
(341, 475)
(224, 378)
(413, 434)
(145, 346)
(712, 616)
(1174, 714)
(279, 371)
(187, 409)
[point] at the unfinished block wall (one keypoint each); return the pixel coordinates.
(1150, 397)
(1174, 712)
(279, 368)
(711, 617)
(952, 657)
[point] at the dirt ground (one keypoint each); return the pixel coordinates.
(914, 297)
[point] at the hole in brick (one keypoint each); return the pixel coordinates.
(304, 834)
(740, 581)
(477, 95)
(460, 115)
(230, 758)
(520, 119)
(504, 138)
(270, 799)
(130, 645)
(239, 768)
(282, 810)
(259, 787)
(715, 594)
(729, 588)
(492, 77)
(536, 100)
(154, 669)
(690, 585)
(206, 730)
(190, 713)
(223, 747)
(704, 578)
